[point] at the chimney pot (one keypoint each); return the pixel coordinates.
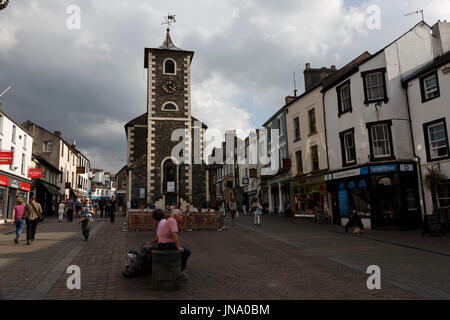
(308, 66)
(58, 133)
(333, 67)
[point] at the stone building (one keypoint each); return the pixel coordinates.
(155, 175)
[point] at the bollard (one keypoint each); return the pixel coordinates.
(166, 270)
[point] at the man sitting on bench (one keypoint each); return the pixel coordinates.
(168, 239)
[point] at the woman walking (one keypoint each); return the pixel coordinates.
(17, 218)
(256, 206)
(61, 209)
(87, 218)
(233, 209)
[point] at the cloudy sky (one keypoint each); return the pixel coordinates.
(89, 82)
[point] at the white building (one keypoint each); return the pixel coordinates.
(371, 155)
(14, 179)
(83, 170)
(429, 101)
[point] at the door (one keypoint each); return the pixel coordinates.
(11, 201)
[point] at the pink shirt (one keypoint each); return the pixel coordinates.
(165, 235)
(19, 208)
(160, 224)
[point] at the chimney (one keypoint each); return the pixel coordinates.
(58, 133)
(314, 76)
(0, 106)
(74, 143)
(289, 99)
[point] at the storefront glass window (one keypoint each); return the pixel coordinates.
(3, 209)
(443, 195)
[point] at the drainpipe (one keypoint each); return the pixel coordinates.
(414, 150)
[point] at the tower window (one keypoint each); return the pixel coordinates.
(170, 106)
(169, 66)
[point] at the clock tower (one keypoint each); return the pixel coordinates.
(168, 110)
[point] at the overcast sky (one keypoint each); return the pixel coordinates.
(89, 82)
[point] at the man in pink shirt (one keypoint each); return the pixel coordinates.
(168, 238)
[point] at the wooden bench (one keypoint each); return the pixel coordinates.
(166, 270)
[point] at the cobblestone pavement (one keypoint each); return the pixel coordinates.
(242, 263)
(404, 263)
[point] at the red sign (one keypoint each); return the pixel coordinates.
(25, 187)
(35, 173)
(4, 181)
(6, 158)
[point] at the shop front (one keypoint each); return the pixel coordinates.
(385, 196)
(310, 198)
(47, 196)
(11, 188)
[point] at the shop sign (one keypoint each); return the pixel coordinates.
(328, 177)
(406, 167)
(384, 169)
(35, 173)
(170, 186)
(6, 158)
(14, 184)
(245, 182)
(350, 173)
(25, 187)
(81, 170)
(253, 173)
(4, 181)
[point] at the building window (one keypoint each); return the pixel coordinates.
(11, 167)
(13, 139)
(297, 129)
(429, 87)
(380, 139)
(299, 160)
(62, 150)
(348, 147)
(443, 195)
(48, 147)
(25, 142)
(344, 98)
(170, 66)
(312, 121)
(1, 124)
(170, 106)
(315, 158)
(23, 163)
(436, 140)
(61, 176)
(375, 86)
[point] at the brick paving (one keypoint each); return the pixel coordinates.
(282, 260)
(230, 265)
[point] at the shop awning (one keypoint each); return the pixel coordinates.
(51, 189)
(76, 193)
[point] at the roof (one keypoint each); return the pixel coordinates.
(52, 133)
(45, 162)
(167, 45)
(436, 63)
(15, 122)
(345, 72)
(204, 126)
(353, 66)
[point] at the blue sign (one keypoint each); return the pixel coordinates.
(90, 191)
(384, 169)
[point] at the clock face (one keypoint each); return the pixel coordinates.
(169, 86)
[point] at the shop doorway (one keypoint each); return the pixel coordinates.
(11, 201)
(388, 195)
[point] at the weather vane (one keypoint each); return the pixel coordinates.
(3, 4)
(169, 20)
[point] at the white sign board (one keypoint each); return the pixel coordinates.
(170, 186)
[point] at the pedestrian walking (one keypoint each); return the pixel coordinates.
(87, 218)
(244, 206)
(78, 207)
(61, 209)
(70, 209)
(32, 215)
(233, 209)
(189, 218)
(112, 209)
(258, 212)
(355, 220)
(101, 205)
(17, 218)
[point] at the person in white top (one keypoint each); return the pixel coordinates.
(61, 209)
(256, 206)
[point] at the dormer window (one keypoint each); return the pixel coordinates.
(170, 106)
(170, 67)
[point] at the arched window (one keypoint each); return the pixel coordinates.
(170, 106)
(169, 66)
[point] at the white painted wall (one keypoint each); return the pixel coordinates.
(23, 145)
(429, 111)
